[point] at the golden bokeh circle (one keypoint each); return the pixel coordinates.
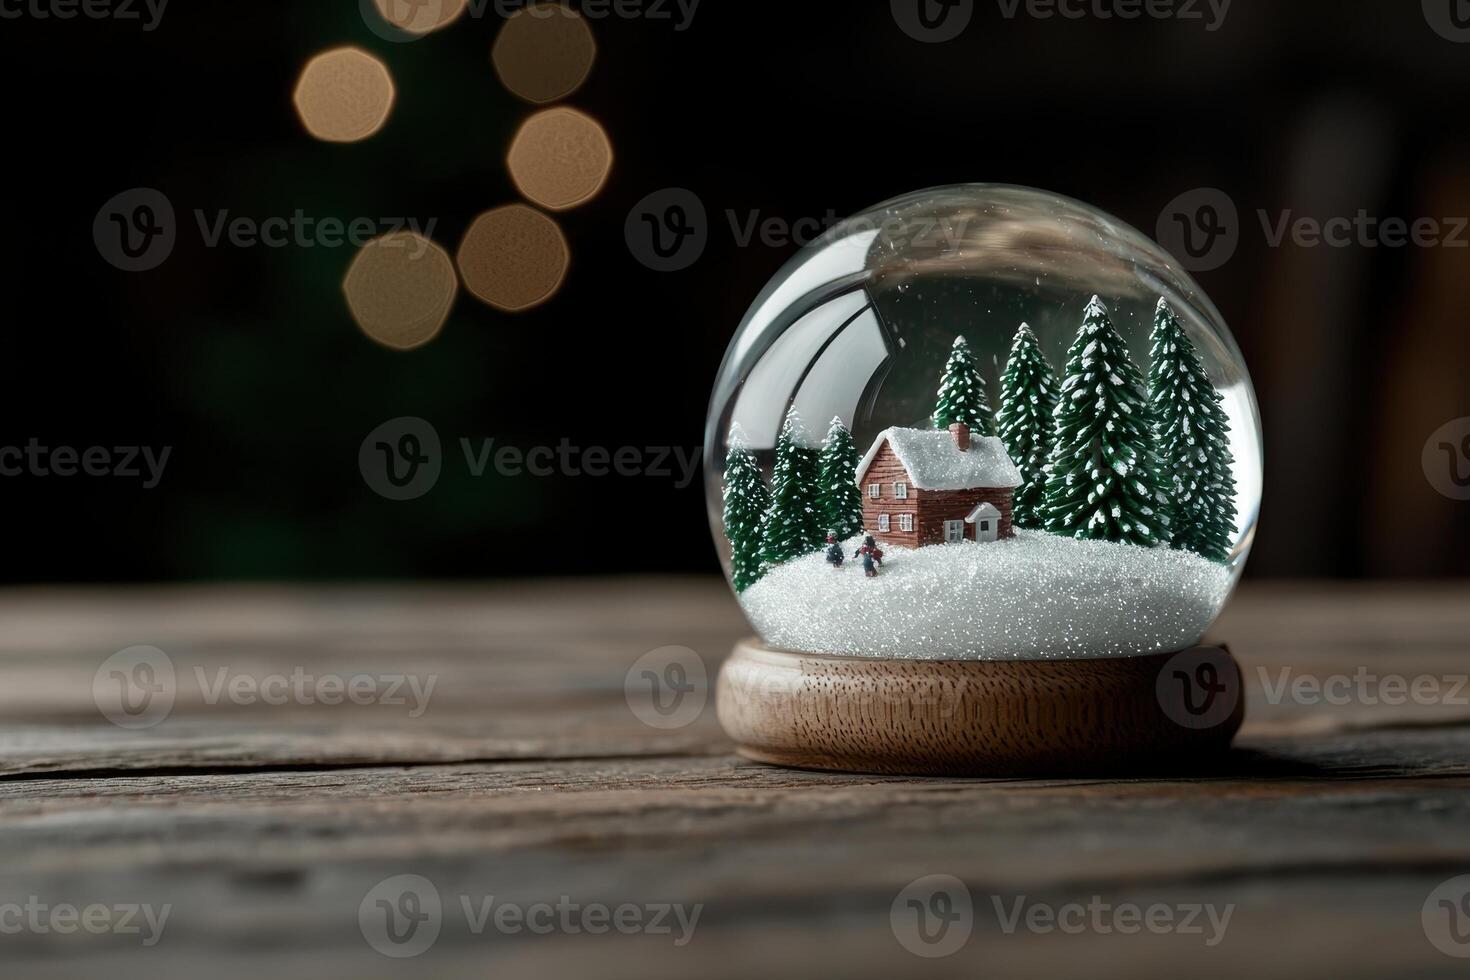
(560, 158)
(514, 257)
(420, 16)
(400, 288)
(544, 52)
(344, 95)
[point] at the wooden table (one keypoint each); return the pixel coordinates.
(268, 828)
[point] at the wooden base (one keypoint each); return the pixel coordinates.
(980, 718)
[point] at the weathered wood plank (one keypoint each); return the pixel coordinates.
(274, 865)
(514, 680)
(529, 777)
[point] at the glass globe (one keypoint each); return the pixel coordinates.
(983, 422)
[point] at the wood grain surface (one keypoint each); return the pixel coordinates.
(531, 776)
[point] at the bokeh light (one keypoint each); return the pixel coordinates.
(560, 158)
(514, 257)
(420, 16)
(400, 288)
(344, 95)
(543, 52)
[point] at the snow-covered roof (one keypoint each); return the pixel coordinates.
(934, 462)
(985, 511)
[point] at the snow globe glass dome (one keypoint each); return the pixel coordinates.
(984, 422)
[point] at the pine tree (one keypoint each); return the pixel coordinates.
(1194, 443)
(839, 501)
(1103, 479)
(1028, 398)
(746, 500)
(792, 526)
(962, 395)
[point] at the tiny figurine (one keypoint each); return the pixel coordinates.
(834, 551)
(871, 555)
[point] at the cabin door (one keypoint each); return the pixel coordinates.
(987, 529)
(954, 532)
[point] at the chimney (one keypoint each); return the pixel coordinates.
(961, 433)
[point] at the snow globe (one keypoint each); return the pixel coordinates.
(983, 466)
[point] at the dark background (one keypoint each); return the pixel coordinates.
(247, 363)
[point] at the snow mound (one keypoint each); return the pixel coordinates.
(1036, 596)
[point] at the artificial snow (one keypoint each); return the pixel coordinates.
(1035, 596)
(934, 462)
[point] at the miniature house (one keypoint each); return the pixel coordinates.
(937, 486)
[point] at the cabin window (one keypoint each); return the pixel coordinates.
(901, 491)
(905, 521)
(875, 490)
(883, 524)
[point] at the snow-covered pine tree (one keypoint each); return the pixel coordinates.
(792, 526)
(1028, 397)
(962, 395)
(1103, 479)
(839, 501)
(746, 500)
(1194, 443)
